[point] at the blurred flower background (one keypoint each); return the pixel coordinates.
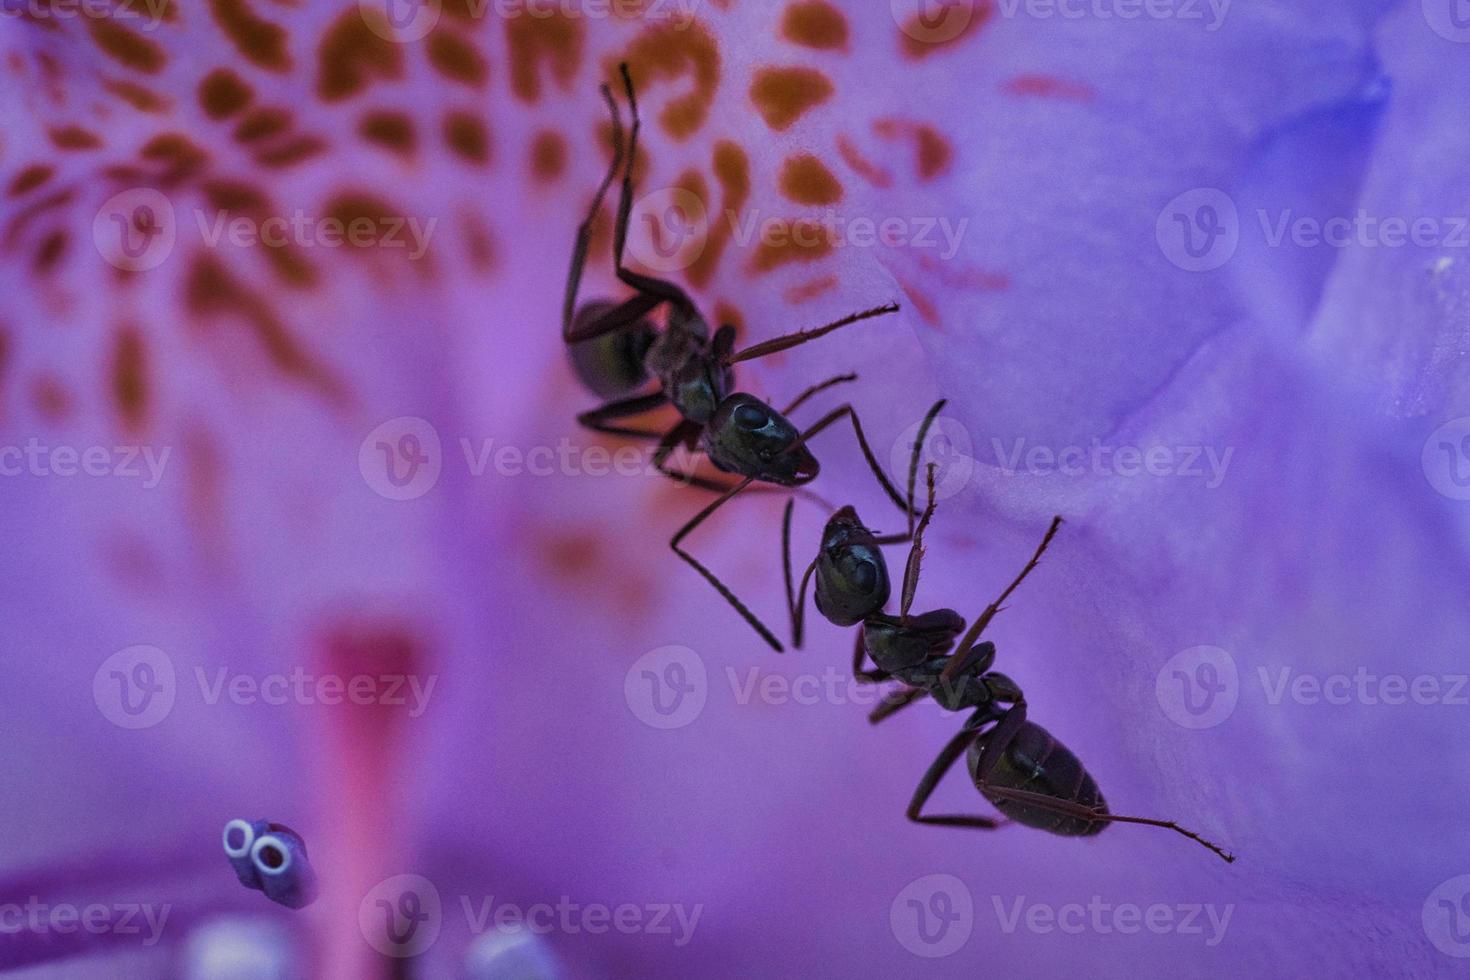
(301, 525)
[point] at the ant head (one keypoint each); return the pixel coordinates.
(750, 438)
(852, 577)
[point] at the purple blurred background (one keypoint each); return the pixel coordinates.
(285, 419)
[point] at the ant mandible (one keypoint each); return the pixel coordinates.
(1020, 767)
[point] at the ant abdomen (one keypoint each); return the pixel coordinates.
(1037, 763)
(612, 365)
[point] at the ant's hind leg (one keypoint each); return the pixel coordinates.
(584, 231)
(662, 288)
(951, 752)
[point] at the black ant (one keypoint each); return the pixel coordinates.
(1020, 767)
(615, 348)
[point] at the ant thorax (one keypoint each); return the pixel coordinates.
(688, 368)
(898, 644)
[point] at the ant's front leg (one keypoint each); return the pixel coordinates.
(795, 600)
(895, 702)
(709, 576)
(916, 550)
(805, 336)
(687, 433)
(951, 752)
(847, 411)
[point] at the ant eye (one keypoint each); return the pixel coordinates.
(865, 576)
(750, 417)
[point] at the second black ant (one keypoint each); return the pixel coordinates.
(1018, 766)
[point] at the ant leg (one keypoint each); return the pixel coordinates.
(709, 576)
(916, 551)
(895, 702)
(947, 757)
(596, 419)
(847, 411)
(973, 634)
(1000, 740)
(795, 601)
(814, 389)
(919, 438)
(584, 231)
(974, 662)
(662, 288)
(685, 432)
(803, 336)
(621, 317)
(860, 675)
